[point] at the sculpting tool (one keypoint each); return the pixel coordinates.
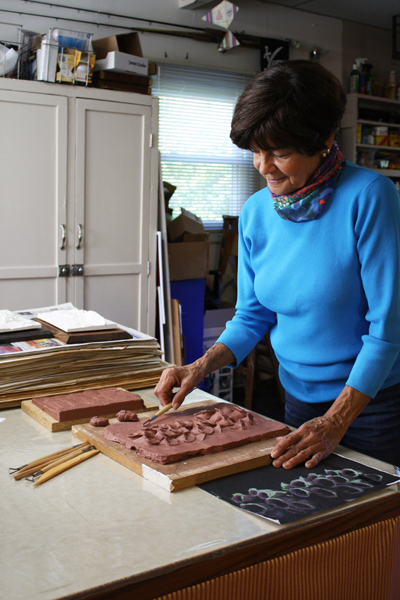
(163, 410)
(44, 468)
(86, 453)
(160, 412)
(25, 470)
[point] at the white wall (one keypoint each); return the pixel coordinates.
(254, 18)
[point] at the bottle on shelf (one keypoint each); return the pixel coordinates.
(390, 90)
(366, 80)
(355, 80)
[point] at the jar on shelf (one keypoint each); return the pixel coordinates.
(380, 136)
(368, 136)
(391, 86)
(394, 138)
(359, 133)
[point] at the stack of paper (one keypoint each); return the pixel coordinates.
(35, 368)
(76, 320)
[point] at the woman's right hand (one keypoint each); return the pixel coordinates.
(185, 378)
(188, 377)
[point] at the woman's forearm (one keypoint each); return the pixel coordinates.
(216, 357)
(347, 406)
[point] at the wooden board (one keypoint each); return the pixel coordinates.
(83, 337)
(24, 335)
(53, 425)
(184, 474)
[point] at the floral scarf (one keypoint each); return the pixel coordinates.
(308, 203)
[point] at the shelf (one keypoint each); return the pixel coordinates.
(386, 172)
(379, 124)
(377, 100)
(351, 123)
(374, 147)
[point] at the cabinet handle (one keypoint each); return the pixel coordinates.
(63, 237)
(78, 246)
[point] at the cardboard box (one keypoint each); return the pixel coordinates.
(188, 260)
(195, 237)
(121, 53)
(185, 223)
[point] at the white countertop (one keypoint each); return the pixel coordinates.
(100, 522)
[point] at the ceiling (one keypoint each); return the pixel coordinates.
(377, 13)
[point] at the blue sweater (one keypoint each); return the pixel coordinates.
(328, 289)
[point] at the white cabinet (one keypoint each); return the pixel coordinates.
(363, 114)
(78, 185)
(33, 197)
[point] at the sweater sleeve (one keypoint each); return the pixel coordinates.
(252, 320)
(377, 228)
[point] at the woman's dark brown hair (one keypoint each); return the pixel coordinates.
(294, 104)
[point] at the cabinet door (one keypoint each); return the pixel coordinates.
(115, 211)
(33, 167)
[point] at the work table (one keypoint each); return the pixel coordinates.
(100, 527)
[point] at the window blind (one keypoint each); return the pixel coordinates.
(213, 177)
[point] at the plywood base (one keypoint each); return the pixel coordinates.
(184, 474)
(53, 425)
(82, 337)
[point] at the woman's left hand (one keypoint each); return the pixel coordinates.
(313, 441)
(317, 439)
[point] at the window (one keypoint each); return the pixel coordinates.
(213, 177)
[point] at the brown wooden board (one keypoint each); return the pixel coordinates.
(23, 335)
(82, 337)
(53, 425)
(186, 473)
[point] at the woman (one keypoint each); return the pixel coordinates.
(319, 267)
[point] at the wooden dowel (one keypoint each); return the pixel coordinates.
(64, 466)
(61, 460)
(40, 462)
(163, 410)
(29, 471)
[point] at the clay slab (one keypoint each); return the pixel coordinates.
(174, 437)
(90, 403)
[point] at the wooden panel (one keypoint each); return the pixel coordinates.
(82, 337)
(183, 474)
(53, 425)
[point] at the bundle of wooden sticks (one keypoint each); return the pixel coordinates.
(52, 464)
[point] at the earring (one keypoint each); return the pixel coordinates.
(326, 152)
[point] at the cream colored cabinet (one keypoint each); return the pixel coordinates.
(33, 191)
(78, 181)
